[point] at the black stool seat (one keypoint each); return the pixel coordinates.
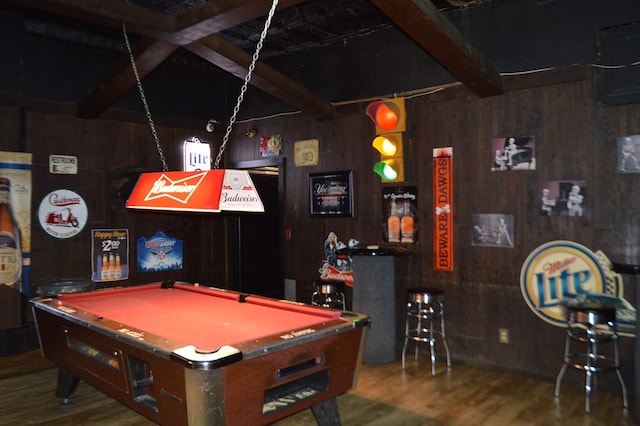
(592, 326)
(426, 295)
(329, 294)
(327, 287)
(425, 322)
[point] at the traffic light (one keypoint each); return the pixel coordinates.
(388, 115)
(391, 165)
(390, 120)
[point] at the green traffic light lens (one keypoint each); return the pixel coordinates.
(385, 171)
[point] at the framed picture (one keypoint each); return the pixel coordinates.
(564, 198)
(492, 230)
(331, 194)
(628, 151)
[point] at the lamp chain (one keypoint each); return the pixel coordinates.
(165, 168)
(243, 89)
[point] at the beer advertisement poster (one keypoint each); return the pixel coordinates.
(159, 253)
(110, 254)
(558, 269)
(400, 218)
(15, 220)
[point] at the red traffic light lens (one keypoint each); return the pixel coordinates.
(383, 115)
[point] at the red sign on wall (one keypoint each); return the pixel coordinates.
(196, 191)
(443, 204)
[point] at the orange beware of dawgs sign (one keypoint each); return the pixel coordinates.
(443, 214)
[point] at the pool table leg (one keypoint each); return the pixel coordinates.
(327, 413)
(66, 385)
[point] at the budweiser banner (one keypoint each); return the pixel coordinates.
(443, 203)
(196, 191)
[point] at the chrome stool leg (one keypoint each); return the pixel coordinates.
(593, 326)
(563, 369)
(444, 336)
(406, 337)
(432, 345)
(424, 323)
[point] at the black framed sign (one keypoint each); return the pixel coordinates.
(331, 194)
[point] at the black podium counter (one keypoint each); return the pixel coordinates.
(374, 295)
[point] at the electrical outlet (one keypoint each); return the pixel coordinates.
(503, 334)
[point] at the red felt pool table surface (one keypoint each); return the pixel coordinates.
(181, 353)
(204, 317)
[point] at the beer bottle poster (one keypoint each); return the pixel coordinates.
(400, 214)
(159, 253)
(109, 254)
(15, 223)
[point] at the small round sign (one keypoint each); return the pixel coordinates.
(62, 214)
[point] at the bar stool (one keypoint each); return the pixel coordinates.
(425, 323)
(592, 326)
(329, 294)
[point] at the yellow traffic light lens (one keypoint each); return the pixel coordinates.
(385, 146)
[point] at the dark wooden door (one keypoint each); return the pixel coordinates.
(258, 262)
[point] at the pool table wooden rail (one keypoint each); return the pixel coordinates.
(255, 382)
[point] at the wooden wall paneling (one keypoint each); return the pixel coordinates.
(13, 311)
(101, 146)
(11, 122)
(558, 135)
(482, 293)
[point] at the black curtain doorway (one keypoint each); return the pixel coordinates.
(258, 263)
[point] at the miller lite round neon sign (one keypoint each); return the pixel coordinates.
(556, 270)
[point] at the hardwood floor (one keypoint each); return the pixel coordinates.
(385, 395)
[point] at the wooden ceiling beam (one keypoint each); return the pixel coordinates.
(419, 19)
(109, 14)
(432, 31)
(196, 24)
(219, 15)
(147, 53)
(236, 61)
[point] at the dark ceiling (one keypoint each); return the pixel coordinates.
(305, 26)
(225, 33)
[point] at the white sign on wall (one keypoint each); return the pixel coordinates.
(62, 213)
(197, 155)
(63, 164)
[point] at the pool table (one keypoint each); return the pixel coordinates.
(182, 353)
